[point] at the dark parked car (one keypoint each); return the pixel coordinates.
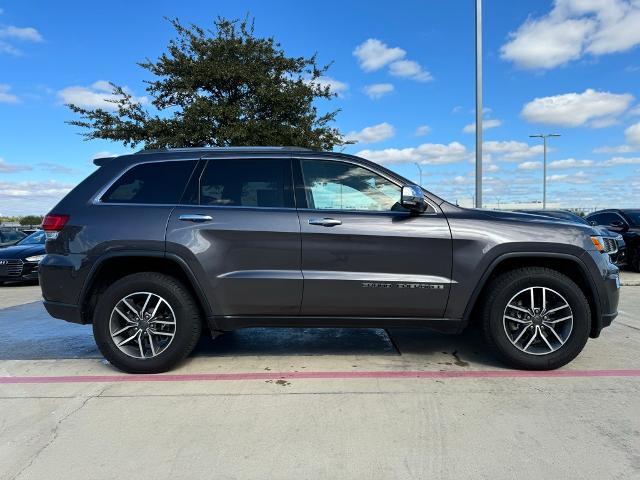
(20, 261)
(10, 237)
(625, 222)
(155, 246)
(614, 242)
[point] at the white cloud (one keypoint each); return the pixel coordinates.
(5, 96)
(6, 167)
(572, 29)
(423, 130)
(410, 69)
(10, 49)
(56, 168)
(577, 178)
(632, 134)
(530, 165)
(427, 153)
(372, 134)
(589, 108)
(378, 90)
(336, 86)
(11, 33)
(492, 167)
(26, 34)
(617, 149)
(622, 161)
(486, 125)
(22, 198)
(98, 95)
(374, 54)
(571, 163)
(511, 151)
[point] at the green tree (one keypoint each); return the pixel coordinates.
(31, 220)
(221, 87)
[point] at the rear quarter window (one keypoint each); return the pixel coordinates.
(151, 183)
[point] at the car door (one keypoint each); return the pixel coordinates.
(239, 231)
(363, 254)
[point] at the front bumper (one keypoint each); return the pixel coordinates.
(620, 257)
(605, 279)
(19, 270)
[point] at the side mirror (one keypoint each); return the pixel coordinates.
(412, 198)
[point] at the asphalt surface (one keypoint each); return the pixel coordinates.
(314, 403)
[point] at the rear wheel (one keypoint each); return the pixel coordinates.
(536, 318)
(146, 323)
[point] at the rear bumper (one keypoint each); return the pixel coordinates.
(64, 311)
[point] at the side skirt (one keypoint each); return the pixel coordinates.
(443, 325)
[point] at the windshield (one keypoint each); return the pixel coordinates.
(572, 217)
(36, 238)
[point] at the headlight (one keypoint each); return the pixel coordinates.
(35, 258)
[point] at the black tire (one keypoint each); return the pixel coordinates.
(188, 324)
(501, 291)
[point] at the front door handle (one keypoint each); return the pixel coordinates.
(325, 222)
(195, 217)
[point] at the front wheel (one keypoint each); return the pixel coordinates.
(146, 323)
(536, 318)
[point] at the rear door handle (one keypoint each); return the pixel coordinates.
(195, 217)
(325, 222)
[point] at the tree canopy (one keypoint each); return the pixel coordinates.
(220, 87)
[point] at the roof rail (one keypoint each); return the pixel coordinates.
(228, 149)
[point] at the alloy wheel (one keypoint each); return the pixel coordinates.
(142, 325)
(538, 320)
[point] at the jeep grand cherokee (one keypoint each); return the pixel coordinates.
(156, 246)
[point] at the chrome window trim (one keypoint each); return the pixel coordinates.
(366, 167)
(97, 198)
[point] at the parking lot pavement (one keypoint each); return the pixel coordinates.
(327, 403)
(13, 294)
(629, 278)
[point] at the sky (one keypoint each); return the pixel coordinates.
(403, 73)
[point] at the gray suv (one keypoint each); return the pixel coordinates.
(154, 247)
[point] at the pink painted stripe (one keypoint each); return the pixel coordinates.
(215, 377)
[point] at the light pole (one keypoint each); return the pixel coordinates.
(420, 170)
(478, 103)
(544, 137)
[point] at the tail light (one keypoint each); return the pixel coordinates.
(53, 223)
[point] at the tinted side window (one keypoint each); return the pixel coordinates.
(606, 218)
(344, 186)
(154, 182)
(247, 183)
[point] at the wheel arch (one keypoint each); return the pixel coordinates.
(566, 264)
(112, 266)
